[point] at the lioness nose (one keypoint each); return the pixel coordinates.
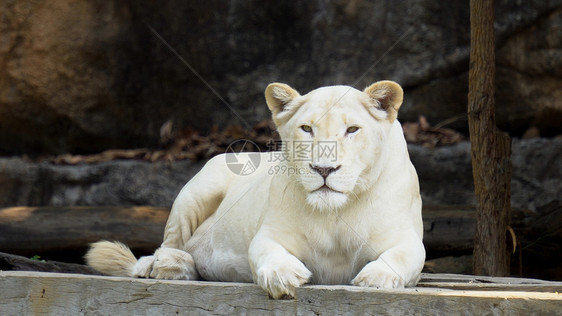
(324, 171)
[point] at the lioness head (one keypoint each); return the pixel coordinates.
(333, 136)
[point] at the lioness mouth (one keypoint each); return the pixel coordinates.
(325, 188)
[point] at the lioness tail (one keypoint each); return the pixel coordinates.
(111, 258)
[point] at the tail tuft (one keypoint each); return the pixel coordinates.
(111, 258)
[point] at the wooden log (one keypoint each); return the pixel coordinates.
(35, 293)
(27, 231)
(449, 228)
(9, 262)
(37, 230)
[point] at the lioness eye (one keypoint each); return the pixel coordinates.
(306, 128)
(352, 129)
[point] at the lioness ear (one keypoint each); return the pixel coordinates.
(386, 95)
(278, 96)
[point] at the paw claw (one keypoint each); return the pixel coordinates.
(379, 275)
(281, 280)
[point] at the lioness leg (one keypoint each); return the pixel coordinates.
(274, 269)
(196, 202)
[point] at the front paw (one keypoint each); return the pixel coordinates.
(380, 275)
(281, 276)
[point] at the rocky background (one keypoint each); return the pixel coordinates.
(445, 175)
(66, 205)
(84, 76)
(88, 77)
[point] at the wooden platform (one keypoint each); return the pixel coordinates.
(38, 293)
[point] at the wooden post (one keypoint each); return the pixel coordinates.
(490, 149)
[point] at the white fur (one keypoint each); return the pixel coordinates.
(283, 225)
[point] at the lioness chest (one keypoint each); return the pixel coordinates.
(334, 253)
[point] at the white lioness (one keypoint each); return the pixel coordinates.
(339, 205)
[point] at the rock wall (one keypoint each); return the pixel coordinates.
(115, 183)
(445, 176)
(83, 76)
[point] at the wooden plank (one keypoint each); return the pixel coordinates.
(10, 262)
(36, 293)
(469, 278)
(487, 283)
(552, 288)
